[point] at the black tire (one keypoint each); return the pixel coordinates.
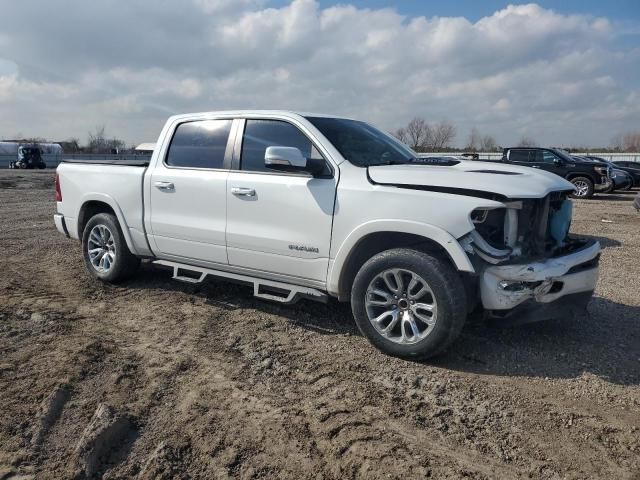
(42, 166)
(447, 290)
(125, 263)
(582, 182)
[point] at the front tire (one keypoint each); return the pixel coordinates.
(408, 303)
(584, 187)
(105, 250)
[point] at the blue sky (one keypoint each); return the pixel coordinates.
(562, 73)
(476, 9)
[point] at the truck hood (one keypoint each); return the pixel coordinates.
(508, 180)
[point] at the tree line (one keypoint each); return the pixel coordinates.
(97, 142)
(423, 136)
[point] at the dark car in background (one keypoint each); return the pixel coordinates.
(620, 180)
(632, 168)
(587, 176)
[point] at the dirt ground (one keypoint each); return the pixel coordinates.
(159, 379)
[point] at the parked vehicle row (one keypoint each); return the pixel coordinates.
(589, 174)
(625, 175)
(302, 205)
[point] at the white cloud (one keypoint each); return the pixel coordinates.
(524, 69)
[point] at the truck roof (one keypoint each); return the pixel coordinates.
(265, 113)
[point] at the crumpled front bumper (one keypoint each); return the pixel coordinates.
(504, 287)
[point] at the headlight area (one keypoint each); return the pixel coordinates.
(605, 171)
(531, 228)
(494, 236)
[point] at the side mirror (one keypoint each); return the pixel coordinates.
(290, 159)
(557, 161)
(284, 158)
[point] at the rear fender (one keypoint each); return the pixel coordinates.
(104, 198)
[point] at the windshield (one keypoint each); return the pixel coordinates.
(361, 144)
(563, 154)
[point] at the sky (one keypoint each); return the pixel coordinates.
(563, 73)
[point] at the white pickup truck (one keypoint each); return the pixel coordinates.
(303, 205)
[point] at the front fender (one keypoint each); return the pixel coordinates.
(438, 235)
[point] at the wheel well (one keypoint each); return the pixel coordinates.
(375, 243)
(576, 175)
(90, 209)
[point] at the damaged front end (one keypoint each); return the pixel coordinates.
(526, 259)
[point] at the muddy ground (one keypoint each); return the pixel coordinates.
(158, 379)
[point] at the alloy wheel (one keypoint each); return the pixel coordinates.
(101, 248)
(582, 188)
(401, 306)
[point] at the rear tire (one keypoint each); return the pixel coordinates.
(584, 187)
(105, 250)
(396, 318)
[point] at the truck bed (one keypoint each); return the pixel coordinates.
(86, 181)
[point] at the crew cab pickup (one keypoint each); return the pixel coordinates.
(587, 177)
(312, 206)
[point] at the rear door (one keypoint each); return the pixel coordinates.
(278, 222)
(188, 192)
(547, 160)
(520, 156)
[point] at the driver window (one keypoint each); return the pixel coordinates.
(548, 157)
(260, 134)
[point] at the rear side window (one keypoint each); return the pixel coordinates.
(260, 134)
(519, 156)
(199, 144)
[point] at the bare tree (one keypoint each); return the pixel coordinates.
(99, 143)
(631, 142)
(401, 134)
(444, 133)
(72, 145)
(475, 139)
(488, 144)
(617, 143)
(526, 142)
(418, 133)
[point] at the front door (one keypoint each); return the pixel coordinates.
(279, 222)
(188, 193)
(549, 161)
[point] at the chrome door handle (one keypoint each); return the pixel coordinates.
(165, 185)
(243, 192)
